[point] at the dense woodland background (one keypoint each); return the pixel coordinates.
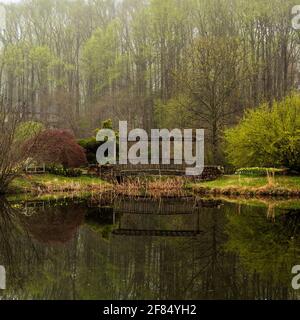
(154, 63)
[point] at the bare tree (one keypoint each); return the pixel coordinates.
(12, 137)
(212, 80)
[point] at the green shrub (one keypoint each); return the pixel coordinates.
(267, 136)
(91, 145)
(61, 171)
(73, 172)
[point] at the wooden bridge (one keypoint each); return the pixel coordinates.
(120, 172)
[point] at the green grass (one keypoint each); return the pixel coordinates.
(234, 184)
(246, 184)
(256, 182)
(54, 183)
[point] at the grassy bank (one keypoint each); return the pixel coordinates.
(250, 186)
(233, 185)
(49, 183)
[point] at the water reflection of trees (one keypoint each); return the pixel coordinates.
(36, 266)
(209, 267)
(268, 248)
(239, 253)
(13, 254)
(180, 268)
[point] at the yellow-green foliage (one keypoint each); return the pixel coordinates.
(267, 136)
(174, 113)
(28, 130)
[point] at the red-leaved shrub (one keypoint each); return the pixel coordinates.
(56, 146)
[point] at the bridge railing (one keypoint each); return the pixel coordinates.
(121, 170)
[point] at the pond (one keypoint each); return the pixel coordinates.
(139, 248)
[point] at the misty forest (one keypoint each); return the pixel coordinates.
(156, 64)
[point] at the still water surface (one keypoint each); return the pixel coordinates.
(149, 249)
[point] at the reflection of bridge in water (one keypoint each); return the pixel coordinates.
(166, 217)
(163, 206)
(157, 233)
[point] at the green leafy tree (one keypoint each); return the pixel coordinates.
(267, 136)
(174, 113)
